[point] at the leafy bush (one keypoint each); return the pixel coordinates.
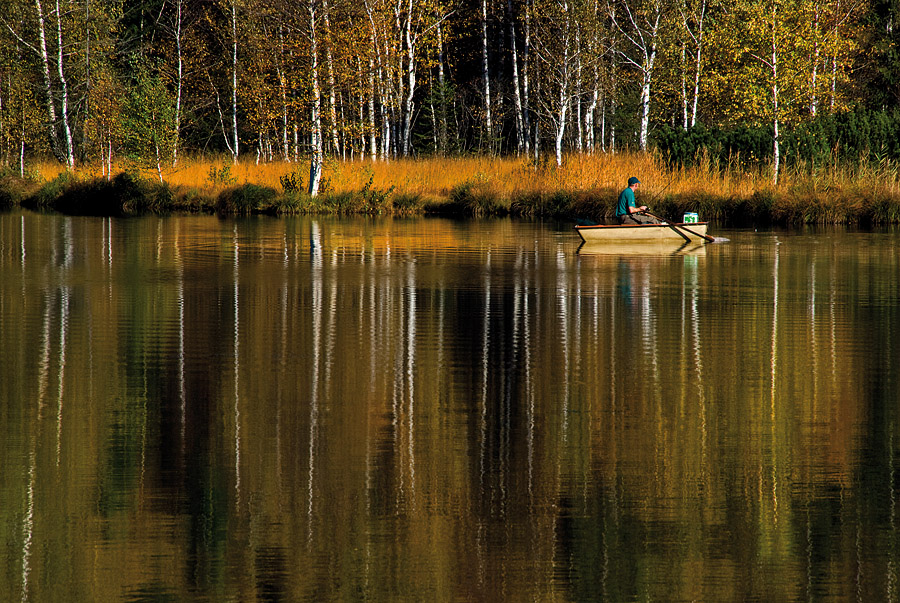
(246, 199)
(291, 183)
(850, 136)
(220, 176)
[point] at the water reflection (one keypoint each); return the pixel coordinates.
(317, 409)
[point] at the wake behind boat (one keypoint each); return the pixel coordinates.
(694, 232)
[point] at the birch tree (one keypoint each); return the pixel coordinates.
(553, 47)
(522, 141)
(638, 21)
(235, 144)
(693, 18)
(317, 157)
(773, 44)
(486, 74)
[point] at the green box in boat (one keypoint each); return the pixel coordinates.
(691, 218)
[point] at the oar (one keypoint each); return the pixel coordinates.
(676, 228)
(686, 238)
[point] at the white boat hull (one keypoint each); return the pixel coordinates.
(634, 233)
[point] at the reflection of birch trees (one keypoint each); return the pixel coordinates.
(295, 402)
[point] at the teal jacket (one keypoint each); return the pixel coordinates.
(626, 200)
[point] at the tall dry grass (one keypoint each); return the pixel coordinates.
(805, 193)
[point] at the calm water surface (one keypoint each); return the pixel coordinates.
(194, 408)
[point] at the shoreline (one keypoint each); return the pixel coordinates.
(480, 187)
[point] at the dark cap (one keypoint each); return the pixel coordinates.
(633, 180)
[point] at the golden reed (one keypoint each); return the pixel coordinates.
(831, 190)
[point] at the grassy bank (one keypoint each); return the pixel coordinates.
(584, 187)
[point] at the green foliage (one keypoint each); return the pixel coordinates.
(246, 199)
(125, 194)
(47, 195)
(149, 119)
(405, 203)
(861, 134)
(220, 176)
(475, 196)
(375, 200)
(291, 183)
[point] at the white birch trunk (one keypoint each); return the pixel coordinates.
(411, 80)
(48, 86)
(645, 42)
(517, 94)
(373, 140)
(647, 80)
(485, 74)
(318, 159)
(576, 97)
(332, 105)
(526, 57)
(178, 83)
(441, 82)
(590, 117)
(697, 39)
(397, 104)
(64, 92)
(813, 104)
(684, 97)
(158, 161)
(776, 143)
(234, 78)
(282, 85)
(698, 64)
(564, 100)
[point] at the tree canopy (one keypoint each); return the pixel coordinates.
(145, 80)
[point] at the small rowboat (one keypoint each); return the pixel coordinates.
(694, 232)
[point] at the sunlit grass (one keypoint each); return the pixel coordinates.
(830, 193)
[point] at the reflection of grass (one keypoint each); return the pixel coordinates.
(585, 185)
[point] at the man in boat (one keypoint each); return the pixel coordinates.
(627, 211)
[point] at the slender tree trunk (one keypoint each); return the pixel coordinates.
(776, 148)
(564, 98)
(373, 141)
(691, 106)
(485, 74)
(64, 93)
(684, 96)
(526, 57)
(647, 80)
(443, 92)
(698, 64)
(158, 161)
(178, 82)
(603, 124)
(48, 86)
(434, 118)
(411, 77)
(576, 96)
(813, 104)
(590, 117)
(87, 66)
(318, 156)
(332, 98)
(234, 82)
(521, 133)
(3, 134)
(282, 86)
(833, 80)
(614, 106)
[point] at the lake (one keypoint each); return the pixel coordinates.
(324, 409)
